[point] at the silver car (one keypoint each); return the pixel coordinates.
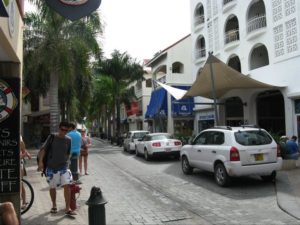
(131, 139)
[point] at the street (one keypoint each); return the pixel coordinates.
(157, 192)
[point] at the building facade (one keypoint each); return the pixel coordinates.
(172, 66)
(261, 40)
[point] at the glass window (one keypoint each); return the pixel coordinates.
(253, 137)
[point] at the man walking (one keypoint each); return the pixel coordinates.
(57, 149)
(75, 150)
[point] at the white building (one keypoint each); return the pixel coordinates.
(260, 39)
(172, 66)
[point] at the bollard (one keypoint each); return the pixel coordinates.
(96, 209)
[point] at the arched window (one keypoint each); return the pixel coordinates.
(259, 57)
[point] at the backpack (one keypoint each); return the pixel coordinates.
(47, 150)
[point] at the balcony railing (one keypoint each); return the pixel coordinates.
(232, 35)
(200, 53)
(256, 23)
(199, 20)
(226, 1)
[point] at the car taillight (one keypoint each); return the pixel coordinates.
(278, 151)
(177, 143)
(234, 154)
(156, 144)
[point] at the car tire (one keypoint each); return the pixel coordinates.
(146, 155)
(221, 176)
(185, 165)
(269, 178)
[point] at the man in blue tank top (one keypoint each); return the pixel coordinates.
(75, 149)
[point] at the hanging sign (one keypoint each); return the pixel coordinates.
(9, 136)
(74, 9)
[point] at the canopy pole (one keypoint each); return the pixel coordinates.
(213, 90)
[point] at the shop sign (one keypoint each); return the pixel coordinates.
(74, 9)
(3, 8)
(207, 117)
(9, 136)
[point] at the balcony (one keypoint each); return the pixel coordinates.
(256, 23)
(200, 53)
(228, 4)
(199, 20)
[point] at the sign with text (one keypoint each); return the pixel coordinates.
(9, 135)
(74, 9)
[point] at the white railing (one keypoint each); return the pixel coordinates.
(199, 20)
(232, 35)
(256, 22)
(200, 53)
(226, 1)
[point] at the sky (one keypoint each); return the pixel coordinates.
(142, 27)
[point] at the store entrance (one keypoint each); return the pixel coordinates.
(270, 112)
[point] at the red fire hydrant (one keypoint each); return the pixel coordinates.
(74, 189)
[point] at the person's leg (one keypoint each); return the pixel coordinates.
(67, 195)
(85, 164)
(66, 180)
(8, 214)
(53, 197)
(80, 164)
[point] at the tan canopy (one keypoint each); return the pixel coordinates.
(225, 79)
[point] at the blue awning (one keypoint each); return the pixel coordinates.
(183, 107)
(158, 104)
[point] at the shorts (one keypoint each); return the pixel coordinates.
(58, 178)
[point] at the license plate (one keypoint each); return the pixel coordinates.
(168, 149)
(259, 157)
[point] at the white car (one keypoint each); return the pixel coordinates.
(156, 144)
(131, 138)
(232, 152)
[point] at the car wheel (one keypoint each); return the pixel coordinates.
(270, 178)
(185, 165)
(146, 155)
(221, 176)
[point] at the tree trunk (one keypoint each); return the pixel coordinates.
(54, 104)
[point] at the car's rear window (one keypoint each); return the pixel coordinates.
(140, 134)
(253, 137)
(161, 137)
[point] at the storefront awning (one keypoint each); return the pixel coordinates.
(221, 78)
(182, 107)
(158, 104)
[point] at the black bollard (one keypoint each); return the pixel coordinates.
(96, 203)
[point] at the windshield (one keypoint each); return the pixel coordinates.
(139, 135)
(252, 137)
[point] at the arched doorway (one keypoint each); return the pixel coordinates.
(270, 111)
(234, 111)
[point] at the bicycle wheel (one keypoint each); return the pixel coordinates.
(28, 196)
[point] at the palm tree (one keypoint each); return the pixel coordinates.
(123, 70)
(57, 51)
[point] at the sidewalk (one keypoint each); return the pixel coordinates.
(288, 190)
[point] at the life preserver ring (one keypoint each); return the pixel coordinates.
(8, 100)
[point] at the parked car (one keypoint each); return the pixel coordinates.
(156, 144)
(233, 152)
(131, 138)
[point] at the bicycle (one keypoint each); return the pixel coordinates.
(29, 196)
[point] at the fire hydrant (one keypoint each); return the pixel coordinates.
(74, 189)
(96, 209)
